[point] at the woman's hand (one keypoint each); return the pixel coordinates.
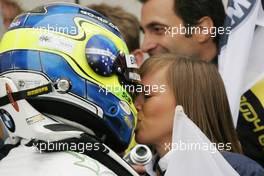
(139, 168)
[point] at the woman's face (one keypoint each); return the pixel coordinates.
(156, 110)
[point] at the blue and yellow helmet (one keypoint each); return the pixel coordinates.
(85, 58)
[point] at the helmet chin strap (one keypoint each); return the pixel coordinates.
(23, 121)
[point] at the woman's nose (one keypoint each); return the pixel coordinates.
(138, 102)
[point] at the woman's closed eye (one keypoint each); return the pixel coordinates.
(147, 96)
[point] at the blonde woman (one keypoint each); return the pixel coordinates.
(197, 86)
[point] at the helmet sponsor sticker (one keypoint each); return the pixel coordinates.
(55, 42)
(84, 12)
(131, 61)
(125, 107)
(35, 119)
(7, 120)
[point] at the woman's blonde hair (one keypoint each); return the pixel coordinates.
(198, 87)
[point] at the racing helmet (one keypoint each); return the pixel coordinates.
(83, 58)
